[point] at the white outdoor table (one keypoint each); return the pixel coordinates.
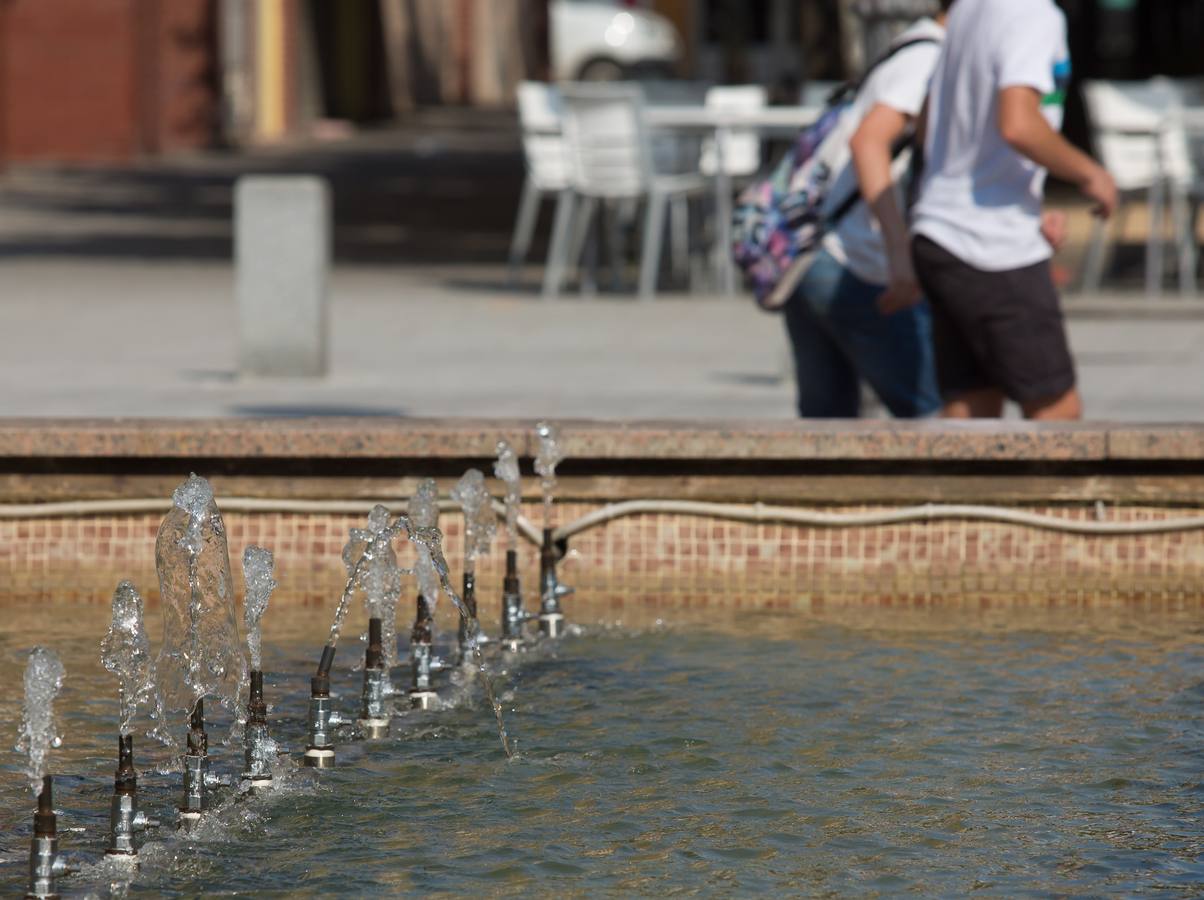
(721, 122)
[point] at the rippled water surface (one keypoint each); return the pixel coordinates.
(852, 754)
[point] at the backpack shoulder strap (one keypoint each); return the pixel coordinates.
(849, 89)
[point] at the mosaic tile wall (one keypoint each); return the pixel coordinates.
(665, 561)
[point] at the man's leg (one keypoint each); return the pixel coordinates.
(1065, 407)
(985, 403)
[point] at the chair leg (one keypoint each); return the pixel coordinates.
(613, 231)
(585, 250)
(679, 232)
(1154, 242)
(1185, 240)
(650, 256)
(582, 221)
(1097, 256)
(524, 228)
(558, 251)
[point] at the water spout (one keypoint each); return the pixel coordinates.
(258, 746)
(506, 470)
(201, 654)
(549, 456)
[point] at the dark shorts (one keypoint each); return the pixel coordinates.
(994, 329)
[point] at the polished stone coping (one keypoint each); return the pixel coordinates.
(731, 440)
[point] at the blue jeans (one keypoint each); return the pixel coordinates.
(840, 337)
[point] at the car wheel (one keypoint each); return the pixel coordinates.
(601, 70)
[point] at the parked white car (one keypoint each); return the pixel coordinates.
(611, 40)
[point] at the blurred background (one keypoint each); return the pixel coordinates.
(124, 125)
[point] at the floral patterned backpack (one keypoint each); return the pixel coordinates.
(780, 220)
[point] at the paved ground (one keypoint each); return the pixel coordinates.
(117, 300)
(125, 339)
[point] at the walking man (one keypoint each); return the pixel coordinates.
(981, 245)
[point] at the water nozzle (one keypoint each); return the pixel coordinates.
(320, 752)
(257, 709)
(198, 740)
(45, 823)
(374, 713)
(513, 615)
(44, 862)
(374, 657)
(465, 633)
(319, 685)
(124, 818)
(257, 746)
(196, 768)
(422, 696)
(551, 619)
(126, 779)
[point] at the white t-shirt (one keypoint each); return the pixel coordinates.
(902, 84)
(980, 199)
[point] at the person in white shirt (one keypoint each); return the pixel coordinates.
(857, 313)
(981, 244)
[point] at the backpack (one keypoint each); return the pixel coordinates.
(779, 220)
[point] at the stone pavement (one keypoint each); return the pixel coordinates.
(106, 338)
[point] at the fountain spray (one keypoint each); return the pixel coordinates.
(43, 681)
(360, 553)
(424, 514)
(513, 616)
(258, 746)
(125, 651)
(551, 453)
(201, 654)
(480, 523)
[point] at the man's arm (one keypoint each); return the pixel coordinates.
(1025, 129)
(871, 146)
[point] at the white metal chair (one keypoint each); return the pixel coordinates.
(1147, 153)
(610, 159)
(741, 147)
(541, 116)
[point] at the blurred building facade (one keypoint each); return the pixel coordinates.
(110, 80)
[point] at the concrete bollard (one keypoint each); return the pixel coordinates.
(282, 260)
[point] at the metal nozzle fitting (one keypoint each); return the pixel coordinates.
(465, 636)
(124, 818)
(257, 745)
(374, 710)
(196, 768)
(513, 616)
(44, 863)
(320, 752)
(551, 619)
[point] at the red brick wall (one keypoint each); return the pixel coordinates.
(96, 80)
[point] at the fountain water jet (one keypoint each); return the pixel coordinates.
(125, 651)
(258, 746)
(513, 617)
(550, 455)
(201, 654)
(424, 514)
(480, 523)
(43, 680)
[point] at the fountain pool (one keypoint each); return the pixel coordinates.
(844, 751)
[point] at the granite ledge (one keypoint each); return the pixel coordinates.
(377, 438)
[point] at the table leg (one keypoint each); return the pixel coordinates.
(723, 210)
